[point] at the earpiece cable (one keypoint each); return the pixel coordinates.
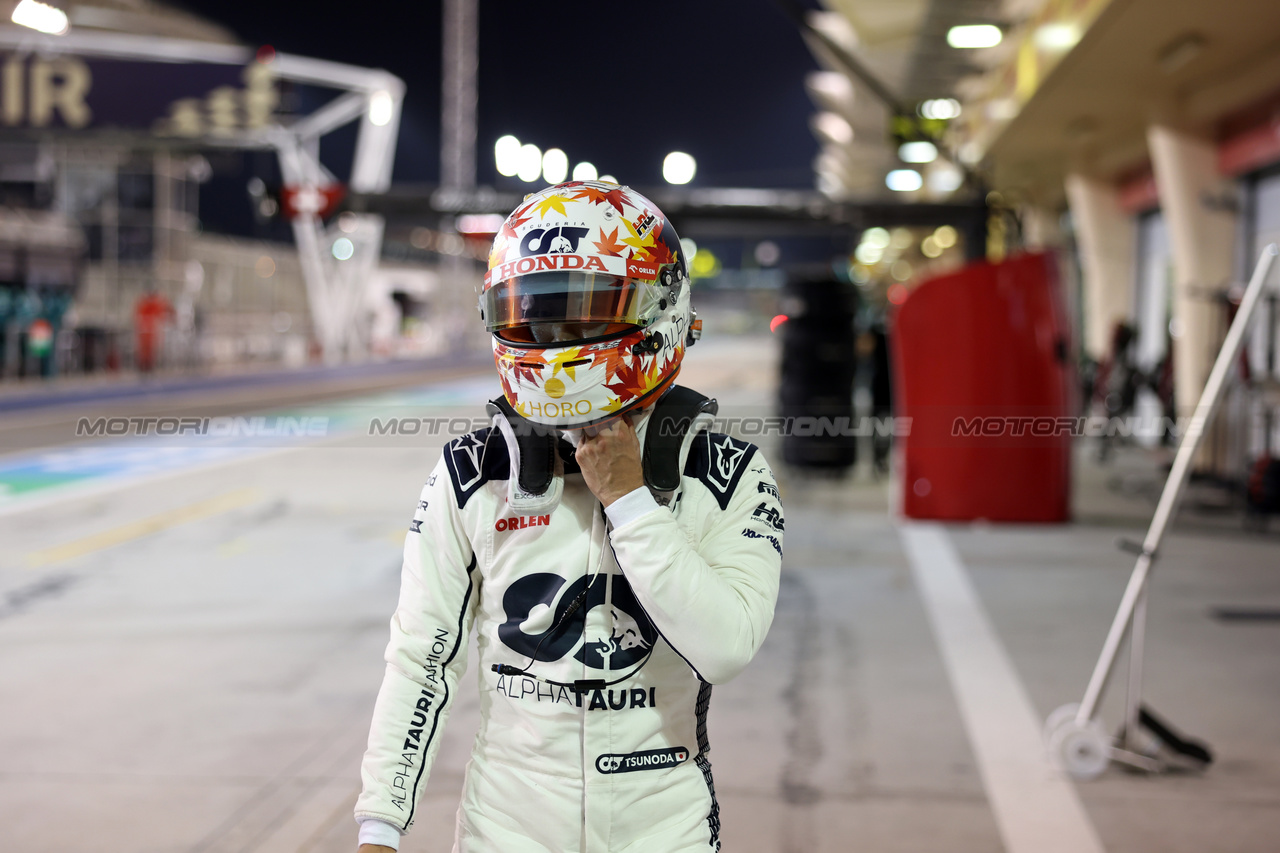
(581, 684)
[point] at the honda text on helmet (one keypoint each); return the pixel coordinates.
(587, 298)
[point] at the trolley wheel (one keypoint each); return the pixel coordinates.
(1081, 750)
(1059, 718)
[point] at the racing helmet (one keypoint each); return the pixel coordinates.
(587, 299)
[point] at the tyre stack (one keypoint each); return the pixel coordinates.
(818, 366)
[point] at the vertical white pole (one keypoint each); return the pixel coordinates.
(1173, 486)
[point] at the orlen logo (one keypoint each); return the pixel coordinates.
(649, 759)
(560, 240)
(520, 522)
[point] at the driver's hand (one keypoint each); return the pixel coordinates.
(610, 460)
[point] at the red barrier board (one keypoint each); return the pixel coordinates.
(982, 369)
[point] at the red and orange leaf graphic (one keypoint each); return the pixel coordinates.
(526, 367)
(507, 390)
(617, 198)
(610, 358)
(591, 194)
(659, 253)
(608, 244)
(513, 222)
(631, 380)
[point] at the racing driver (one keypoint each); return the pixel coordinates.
(615, 556)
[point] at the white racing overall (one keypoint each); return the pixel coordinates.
(683, 588)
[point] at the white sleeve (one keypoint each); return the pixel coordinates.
(374, 831)
(630, 506)
(425, 658)
(713, 601)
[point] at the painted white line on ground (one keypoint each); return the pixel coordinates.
(1037, 810)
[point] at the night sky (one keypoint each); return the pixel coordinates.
(619, 84)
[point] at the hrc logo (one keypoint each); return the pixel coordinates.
(769, 515)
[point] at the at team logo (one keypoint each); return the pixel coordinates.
(562, 240)
(631, 636)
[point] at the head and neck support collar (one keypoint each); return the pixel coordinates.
(539, 454)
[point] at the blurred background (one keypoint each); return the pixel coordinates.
(964, 268)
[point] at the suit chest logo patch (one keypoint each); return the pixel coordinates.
(550, 597)
(726, 456)
(466, 460)
(648, 759)
(520, 522)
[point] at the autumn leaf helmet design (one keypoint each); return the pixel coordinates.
(587, 299)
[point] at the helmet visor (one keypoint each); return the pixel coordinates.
(568, 297)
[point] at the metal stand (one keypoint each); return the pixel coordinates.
(1076, 740)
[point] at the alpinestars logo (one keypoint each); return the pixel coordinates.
(466, 460)
(724, 462)
(649, 759)
(562, 240)
(769, 515)
(720, 463)
(632, 635)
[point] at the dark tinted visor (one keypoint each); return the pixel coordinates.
(568, 297)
